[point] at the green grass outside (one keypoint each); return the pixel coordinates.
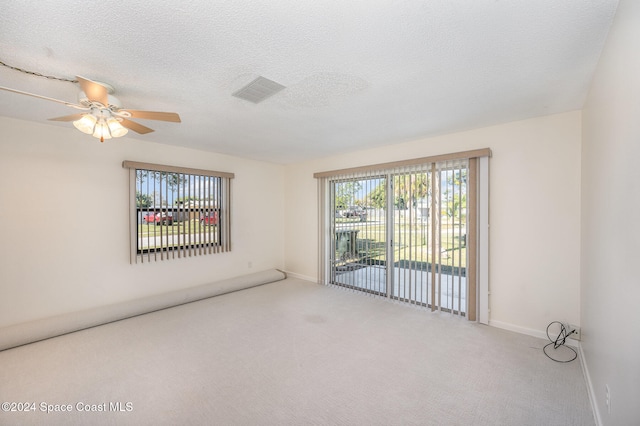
(411, 243)
(178, 228)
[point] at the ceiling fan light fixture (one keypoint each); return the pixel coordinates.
(102, 130)
(101, 125)
(86, 124)
(115, 128)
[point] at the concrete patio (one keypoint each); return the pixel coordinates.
(414, 286)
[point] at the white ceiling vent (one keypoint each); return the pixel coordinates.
(258, 90)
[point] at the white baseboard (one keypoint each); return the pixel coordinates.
(522, 330)
(542, 334)
(300, 276)
(590, 390)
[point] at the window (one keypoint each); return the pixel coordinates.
(412, 231)
(177, 212)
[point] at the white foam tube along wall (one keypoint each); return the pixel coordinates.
(33, 331)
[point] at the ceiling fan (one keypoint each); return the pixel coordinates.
(103, 116)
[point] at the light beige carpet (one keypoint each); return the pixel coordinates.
(292, 353)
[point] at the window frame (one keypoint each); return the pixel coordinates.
(203, 191)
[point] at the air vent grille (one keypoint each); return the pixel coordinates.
(258, 90)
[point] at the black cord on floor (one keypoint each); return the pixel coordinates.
(559, 341)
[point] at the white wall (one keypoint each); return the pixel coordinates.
(610, 224)
(535, 213)
(64, 238)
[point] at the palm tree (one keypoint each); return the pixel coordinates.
(407, 190)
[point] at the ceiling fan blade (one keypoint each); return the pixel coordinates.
(138, 128)
(94, 91)
(155, 115)
(72, 117)
(43, 97)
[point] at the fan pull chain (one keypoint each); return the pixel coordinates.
(37, 74)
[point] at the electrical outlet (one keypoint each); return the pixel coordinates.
(576, 334)
(607, 398)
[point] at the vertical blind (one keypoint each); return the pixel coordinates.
(358, 253)
(178, 212)
(403, 231)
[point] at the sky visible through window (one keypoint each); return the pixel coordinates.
(156, 189)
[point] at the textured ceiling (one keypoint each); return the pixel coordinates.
(358, 74)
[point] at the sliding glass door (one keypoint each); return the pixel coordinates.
(402, 234)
